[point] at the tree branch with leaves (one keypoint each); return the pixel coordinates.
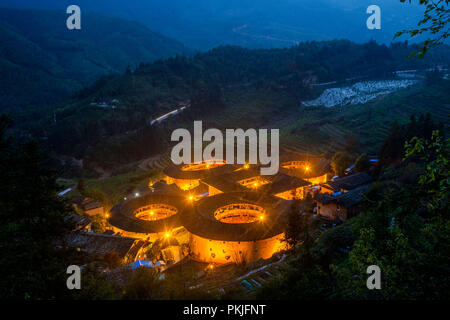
(434, 22)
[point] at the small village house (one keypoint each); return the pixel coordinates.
(341, 206)
(128, 249)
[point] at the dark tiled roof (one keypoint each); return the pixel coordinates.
(352, 197)
(347, 199)
(244, 174)
(93, 205)
(282, 182)
(142, 190)
(224, 183)
(95, 243)
(162, 187)
(198, 190)
(228, 182)
(324, 198)
(351, 181)
(82, 200)
(318, 166)
(327, 187)
(134, 250)
(176, 172)
(78, 221)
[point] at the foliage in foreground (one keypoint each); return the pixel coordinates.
(405, 230)
(434, 22)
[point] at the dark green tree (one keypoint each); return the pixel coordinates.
(81, 187)
(31, 220)
(406, 234)
(32, 224)
(144, 285)
(302, 228)
(340, 162)
(292, 233)
(362, 163)
(94, 285)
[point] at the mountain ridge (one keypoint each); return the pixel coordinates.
(64, 61)
(204, 24)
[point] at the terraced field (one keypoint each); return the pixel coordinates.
(321, 129)
(157, 163)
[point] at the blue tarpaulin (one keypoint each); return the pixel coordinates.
(141, 263)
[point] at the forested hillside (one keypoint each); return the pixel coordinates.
(228, 84)
(42, 61)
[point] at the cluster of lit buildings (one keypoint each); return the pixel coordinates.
(231, 212)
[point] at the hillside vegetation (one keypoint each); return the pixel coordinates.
(233, 87)
(42, 61)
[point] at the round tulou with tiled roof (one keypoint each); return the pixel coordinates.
(150, 213)
(199, 170)
(232, 213)
(309, 167)
(237, 216)
(236, 227)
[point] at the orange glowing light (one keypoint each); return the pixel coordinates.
(152, 213)
(246, 166)
(255, 184)
(261, 218)
(191, 198)
(107, 215)
(167, 235)
(211, 266)
(306, 168)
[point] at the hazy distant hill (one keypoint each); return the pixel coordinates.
(41, 60)
(203, 24)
